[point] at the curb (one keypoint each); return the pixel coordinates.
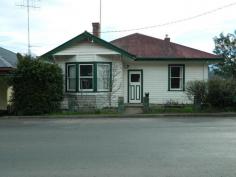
(95, 116)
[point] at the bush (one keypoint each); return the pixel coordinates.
(197, 91)
(37, 87)
(221, 92)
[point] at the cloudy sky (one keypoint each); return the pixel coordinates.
(57, 21)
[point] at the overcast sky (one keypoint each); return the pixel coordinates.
(57, 21)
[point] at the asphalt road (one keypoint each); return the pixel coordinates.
(168, 147)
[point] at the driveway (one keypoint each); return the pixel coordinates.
(163, 147)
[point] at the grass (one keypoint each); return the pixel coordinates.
(106, 111)
(187, 109)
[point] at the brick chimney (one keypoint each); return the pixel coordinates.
(96, 29)
(167, 39)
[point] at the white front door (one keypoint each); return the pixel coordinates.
(135, 86)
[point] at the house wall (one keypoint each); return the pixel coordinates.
(155, 80)
(90, 52)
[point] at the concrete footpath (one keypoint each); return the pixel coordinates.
(83, 116)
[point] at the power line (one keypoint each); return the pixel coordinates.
(174, 21)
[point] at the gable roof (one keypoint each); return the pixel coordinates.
(146, 47)
(89, 37)
(8, 58)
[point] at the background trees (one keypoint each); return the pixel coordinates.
(225, 45)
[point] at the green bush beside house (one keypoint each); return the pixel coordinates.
(37, 87)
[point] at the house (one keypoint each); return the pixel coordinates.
(8, 61)
(98, 72)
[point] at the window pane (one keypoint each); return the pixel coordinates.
(71, 71)
(71, 77)
(103, 76)
(135, 77)
(72, 84)
(86, 70)
(175, 71)
(86, 83)
(175, 83)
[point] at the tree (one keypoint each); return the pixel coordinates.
(225, 45)
(37, 86)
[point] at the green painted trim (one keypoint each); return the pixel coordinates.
(141, 84)
(179, 59)
(86, 35)
(169, 66)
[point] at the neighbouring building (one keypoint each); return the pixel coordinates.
(8, 61)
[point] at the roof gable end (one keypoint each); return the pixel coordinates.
(87, 36)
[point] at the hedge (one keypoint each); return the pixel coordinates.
(37, 87)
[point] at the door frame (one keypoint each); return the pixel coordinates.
(130, 70)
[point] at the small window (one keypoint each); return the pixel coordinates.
(86, 77)
(176, 77)
(71, 77)
(103, 77)
(135, 78)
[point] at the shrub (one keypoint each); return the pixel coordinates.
(221, 92)
(197, 91)
(37, 87)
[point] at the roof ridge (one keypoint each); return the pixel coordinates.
(133, 34)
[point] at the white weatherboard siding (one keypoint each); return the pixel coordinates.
(90, 52)
(155, 80)
(86, 48)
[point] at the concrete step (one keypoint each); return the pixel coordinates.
(134, 109)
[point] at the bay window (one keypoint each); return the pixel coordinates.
(88, 77)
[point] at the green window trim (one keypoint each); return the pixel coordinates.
(169, 77)
(94, 65)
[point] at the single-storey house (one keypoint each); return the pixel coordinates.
(97, 72)
(8, 61)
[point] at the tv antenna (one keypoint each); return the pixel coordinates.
(28, 4)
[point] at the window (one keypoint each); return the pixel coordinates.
(135, 77)
(86, 77)
(176, 77)
(103, 77)
(71, 77)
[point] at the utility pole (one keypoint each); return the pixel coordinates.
(27, 5)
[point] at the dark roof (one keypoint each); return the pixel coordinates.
(8, 59)
(149, 47)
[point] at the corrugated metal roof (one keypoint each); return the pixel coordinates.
(8, 58)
